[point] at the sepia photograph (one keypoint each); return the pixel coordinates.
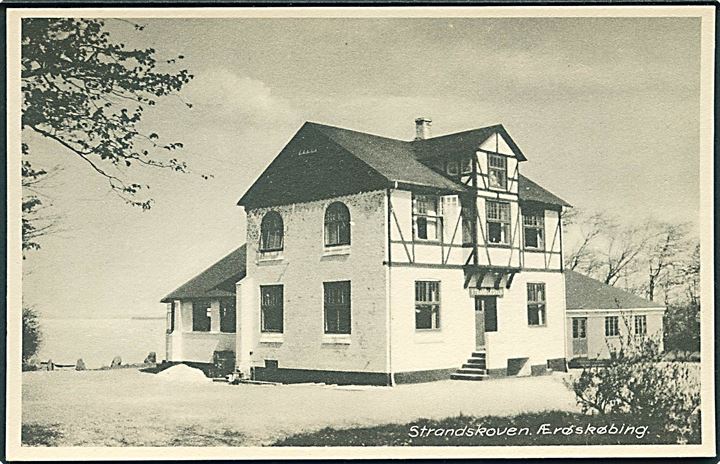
(360, 232)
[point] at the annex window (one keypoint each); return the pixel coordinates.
(579, 327)
(427, 217)
(337, 307)
(536, 308)
(498, 222)
(641, 325)
(271, 308)
(201, 316)
(170, 326)
(271, 232)
(534, 229)
(427, 305)
(337, 225)
(611, 326)
(227, 315)
(497, 171)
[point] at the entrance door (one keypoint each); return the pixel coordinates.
(485, 318)
(579, 337)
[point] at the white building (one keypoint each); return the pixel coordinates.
(372, 260)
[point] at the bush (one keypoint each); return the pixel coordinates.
(31, 338)
(636, 382)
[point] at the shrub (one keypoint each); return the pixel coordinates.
(636, 382)
(31, 337)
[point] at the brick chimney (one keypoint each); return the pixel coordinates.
(422, 128)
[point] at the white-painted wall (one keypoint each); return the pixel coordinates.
(599, 345)
(448, 347)
(302, 268)
(515, 338)
(186, 345)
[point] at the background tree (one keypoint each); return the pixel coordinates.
(88, 95)
(31, 336)
(580, 256)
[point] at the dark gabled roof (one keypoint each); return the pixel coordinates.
(393, 159)
(216, 281)
(583, 292)
(323, 161)
(462, 142)
(530, 191)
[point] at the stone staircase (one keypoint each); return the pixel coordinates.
(473, 369)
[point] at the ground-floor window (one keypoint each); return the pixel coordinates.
(579, 327)
(337, 307)
(612, 328)
(227, 315)
(271, 308)
(427, 304)
(536, 304)
(641, 325)
(201, 316)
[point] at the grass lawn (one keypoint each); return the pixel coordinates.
(528, 429)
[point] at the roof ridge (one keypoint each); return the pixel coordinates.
(321, 125)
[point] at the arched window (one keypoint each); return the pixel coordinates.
(271, 232)
(337, 225)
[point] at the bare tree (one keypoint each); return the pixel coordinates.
(665, 251)
(582, 256)
(622, 250)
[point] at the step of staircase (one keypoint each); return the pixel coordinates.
(461, 376)
(473, 369)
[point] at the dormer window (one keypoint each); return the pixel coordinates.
(427, 217)
(497, 171)
(271, 232)
(466, 165)
(452, 168)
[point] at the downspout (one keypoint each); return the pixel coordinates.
(388, 270)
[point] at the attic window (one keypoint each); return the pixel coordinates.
(452, 168)
(466, 165)
(497, 171)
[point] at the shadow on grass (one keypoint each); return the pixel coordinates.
(40, 435)
(197, 436)
(529, 429)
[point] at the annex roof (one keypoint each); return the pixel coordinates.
(530, 191)
(216, 281)
(583, 292)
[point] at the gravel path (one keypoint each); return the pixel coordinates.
(128, 407)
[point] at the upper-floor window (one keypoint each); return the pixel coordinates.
(498, 222)
(536, 307)
(427, 304)
(227, 315)
(468, 221)
(497, 171)
(337, 225)
(337, 307)
(534, 229)
(201, 316)
(427, 217)
(612, 328)
(271, 232)
(641, 325)
(271, 308)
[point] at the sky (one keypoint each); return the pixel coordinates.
(605, 109)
